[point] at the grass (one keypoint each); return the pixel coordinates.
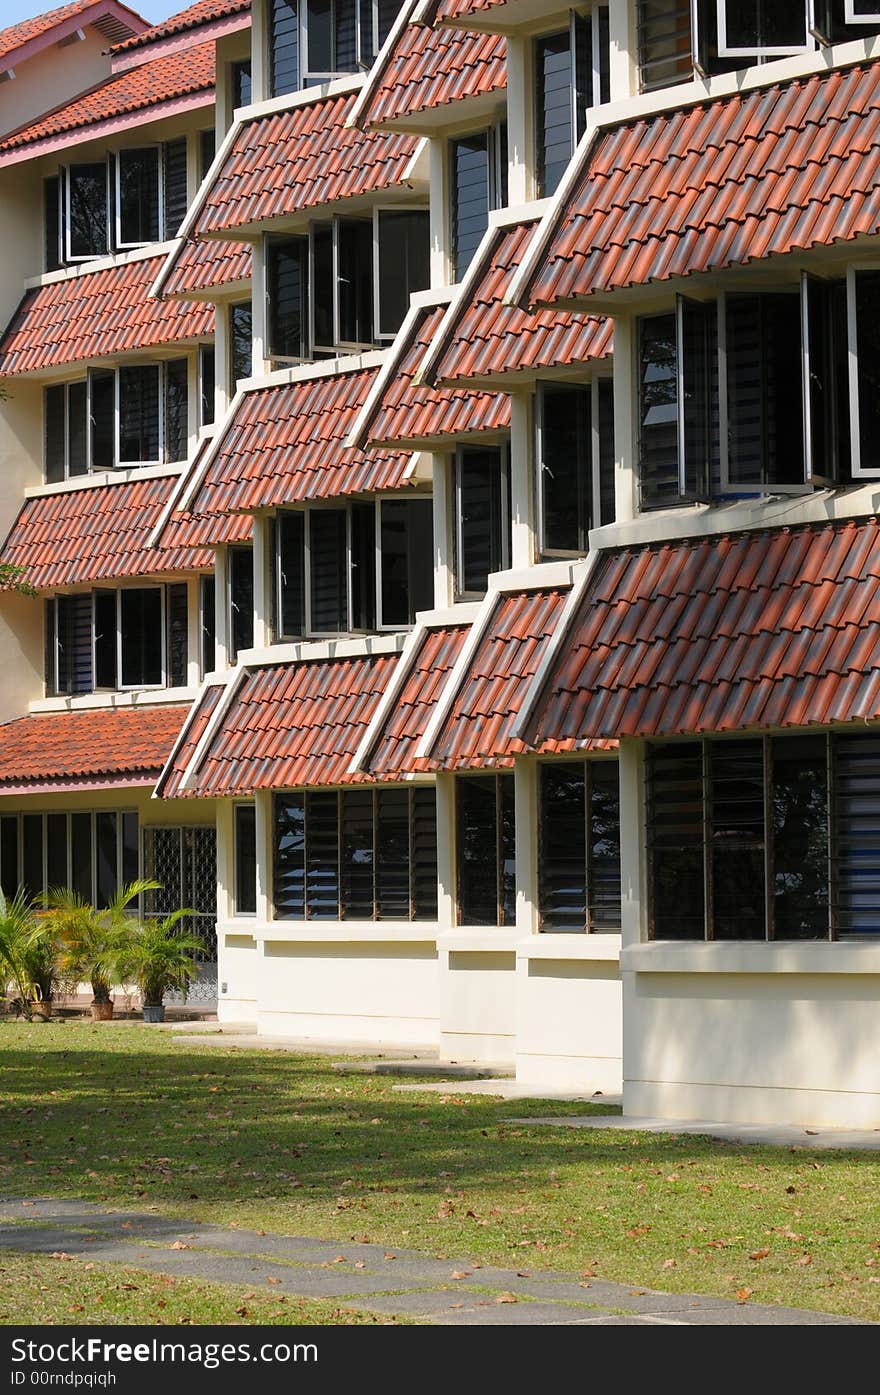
(272, 1141)
(37, 1289)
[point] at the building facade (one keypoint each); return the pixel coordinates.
(442, 437)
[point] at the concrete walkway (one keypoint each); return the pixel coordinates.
(767, 1135)
(373, 1278)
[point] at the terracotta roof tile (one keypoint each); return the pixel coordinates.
(432, 68)
(99, 533)
(420, 416)
(294, 725)
(161, 80)
(488, 340)
(286, 445)
(207, 266)
(202, 12)
(168, 786)
(394, 751)
(95, 314)
(299, 159)
(112, 745)
(15, 36)
(749, 630)
(460, 9)
(775, 170)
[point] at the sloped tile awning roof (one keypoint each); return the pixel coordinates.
(484, 340)
(168, 786)
(77, 537)
(204, 267)
(748, 631)
(418, 416)
(28, 36)
(95, 314)
(290, 726)
(393, 751)
(431, 68)
(90, 748)
(778, 169)
(202, 12)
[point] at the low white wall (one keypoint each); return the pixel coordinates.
(753, 1034)
(569, 1008)
(478, 999)
(238, 963)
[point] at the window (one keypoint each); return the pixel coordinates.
(138, 197)
(240, 84)
(359, 854)
(245, 890)
(128, 199)
(764, 838)
(485, 845)
(53, 254)
(87, 224)
(241, 599)
(482, 489)
(139, 429)
(575, 463)
(664, 43)
(208, 623)
(207, 150)
(65, 433)
(133, 637)
(579, 847)
(478, 184)
(287, 290)
(241, 342)
(91, 852)
(315, 40)
(572, 72)
(761, 28)
(864, 366)
(184, 861)
(359, 567)
(134, 415)
(402, 251)
(174, 195)
(207, 385)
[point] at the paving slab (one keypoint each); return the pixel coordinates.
(768, 1135)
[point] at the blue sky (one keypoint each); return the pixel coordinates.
(11, 11)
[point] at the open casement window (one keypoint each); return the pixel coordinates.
(358, 855)
(478, 184)
(575, 463)
(761, 380)
(245, 884)
(485, 848)
(762, 28)
(579, 846)
(402, 251)
(241, 342)
(241, 599)
(483, 522)
(861, 12)
(863, 296)
(111, 639)
(572, 74)
(92, 853)
(825, 381)
(287, 294)
(341, 281)
(65, 435)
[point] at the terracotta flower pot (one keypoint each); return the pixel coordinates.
(102, 1012)
(42, 1010)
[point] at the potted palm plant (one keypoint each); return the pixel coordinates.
(93, 942)
(160, 955)
(29, 959)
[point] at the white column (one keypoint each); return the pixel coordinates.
(260, 85)
(221, 608)
(222, 364)
(438, 217)
(526, 826)
(633, 857)
(258, 310)
(225, 859)
(624, 51)
(520, 121)
(192, 403)
(522, 488)
(262, 583)
(193, 632)
(445, 852)
(444, 548)
(625, 495)
(193, 165)
(263, 830)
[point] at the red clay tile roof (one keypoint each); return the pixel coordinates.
(168, 786)
(750, 630)
(27, 30)
(299, 159)
(207, 266)
(432, 68)
(294, 725)
(286, 445)
(112, 745)
(98, 533)
(488, 340)
(94, 314)
(175, 75)
(459, 9)
(418, 416)
(394, 751)
(202, 12)
(723, 183)
(478, 726)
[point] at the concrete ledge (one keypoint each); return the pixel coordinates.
(822, 957)
(596, 947)
(352, 932)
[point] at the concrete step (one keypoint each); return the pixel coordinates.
(443, 1070)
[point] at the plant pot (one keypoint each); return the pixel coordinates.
(41, 1011)
(102, 1012)
(154, 1012)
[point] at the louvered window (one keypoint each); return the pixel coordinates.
(575, 463)
(356, 855)
(117, 418)
(91, 852)
(483, 516)
(174, 190)
(73, 637)
(579, 847)
(176, 409)
(177, 642)
(478, 174)
(658, 411)
(283, 46)
(572, 74)
(241, 85)
(207, 384)
(485, 842)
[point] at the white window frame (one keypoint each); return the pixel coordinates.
(811, 477)
(506, 520)
(236, 912)
(850, 17)
(160, 175)
(349, 345)
(142, 687)
(69, 256)
(595, 460)
(307, 77)
(859, 471)
(230, 609)
(756, 50)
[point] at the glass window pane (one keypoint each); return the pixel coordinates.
(129, 850)
(241, 583)
(176, 409)
(554, 108)
(856, 850)
(658, 412)
(177, 598)
(291, 544)
(424, 853)
(327, 565)
(87, 231)
(245, 859)
(355, 280)
(363, 566)
(357, 855)
(764, 390)
(477, 850)
(242, 87)
(77, 409)
(206, 384)
(9, 855)
(562, 855)
(470, 198)
(736, 833)
(74, 638)
(141, 625)
(139, 414)
(868, 351)
(286, 279)
(54, 433)
(663, 30)
(482, 517)
(322, 856)
(324, 334)
(603, 850)
(407, 534)
(49, 647)
(81, 855)
(319, 25)
(799, 807)
(289, 861)
(507, 848)
(51, 223)
(566, 466)
(32, 855)
(404, 251)
(392, 854)
(608, 509)
(675, 841)
(56, 851)
(107, 880)
(757, 25)
(138, 196)
(241, 341)
(102, 407)
(345, 37)
(284, 46)
(105, 639)
(208, 623)
(207, 150)
(174, 159)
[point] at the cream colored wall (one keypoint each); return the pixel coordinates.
(238, 964)
(150, 811)
(569, 1013)
(478, 999)
(21, 618)
(52, 77)
(21, 234)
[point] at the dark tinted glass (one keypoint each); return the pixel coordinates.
(357, 855)
(562, 855)
(102, 405)
(483, 518)
(407, 533)
(675, 841)
(207, 383)
(424, 853)
(799, 811)
(81, 855)
(392, 854)
(566, 466)
(32, 855)
(139, 195)
(139, 414)
(291, 544)
(74, 631)
(177, 605)
(245, 859)
(88, 209)
(355, 281)
(107, 876)
(856, 847)
(603, 845)
(868, 349)
(476, 841)
(289, 859)
(241, 583)
(77, 417)
(470, 197)
(56, 850)
(52, 223)
(284, 46)
(141, 625)
(663, 30)
(174, 159)
(287, 259)
(658, 411)
(555, 108)
(322, 856)
(105, 639)
(328, 562)
(322, 287)
(241, 341)
(9, 856)
(403, 263)
(757, 24)
(736, 832)
(176, 409)
(54, 433)
(208, 623)
(363, 566)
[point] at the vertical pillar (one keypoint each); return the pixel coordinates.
(260, 83)
(438, 217)
(520, 121)
(526, 826)
(263, 830)
(262, 585)
(625, 501)
(258, 310)
(222, 364)
(221, 607)
(522, 489)
(444, 548)
(624, 72)
(193, 632)
(445, 852)
(633, 858)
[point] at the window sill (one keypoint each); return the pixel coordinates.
(480, 939)
(820, 957)
(123, 697)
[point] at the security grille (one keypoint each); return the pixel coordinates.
(184, 861)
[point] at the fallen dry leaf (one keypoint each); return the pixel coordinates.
(760, 1254)
(507, 1298)
(179, 1245)
(743, 1295)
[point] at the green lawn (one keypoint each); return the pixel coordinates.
(277, 1142)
